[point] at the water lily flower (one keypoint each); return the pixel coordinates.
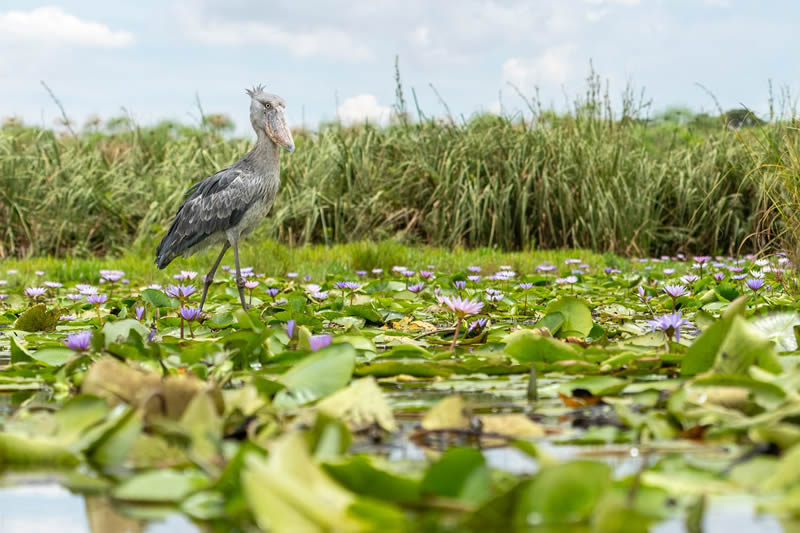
(319, 295)
(426, 274)
(460, 284)
(668, 271)
(474, 279)
(154, 286)
(78, 342)
(74, 297)
(407, 273)
(670, 324)
(317, 342)
(755, 283)
(111, 275)
(545, 268)
(473, 268)
(573, 261)
(719, 276)
(67, 318)
(3, 296)
(348, 285)
(377, 271)
(290, 328)
(463, 307)
(190, 313)
(252, 284)
(291, 275)
(525, 286)
(180, 291)
(361, 273)
(53, 284)
(416, 288)
(477, 325)
(642, 298)
(688, 279)
(97, 299)
(139, 312)
(34, 292)
(495, 297)
(675, 291)
(39, 272)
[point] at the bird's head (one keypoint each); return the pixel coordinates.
(268, 115)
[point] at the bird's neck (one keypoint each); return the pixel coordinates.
(266, 154)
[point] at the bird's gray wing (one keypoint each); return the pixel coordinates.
(215, 204)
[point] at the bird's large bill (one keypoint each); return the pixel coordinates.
(279, 132)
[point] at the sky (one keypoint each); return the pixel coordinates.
(153, 59)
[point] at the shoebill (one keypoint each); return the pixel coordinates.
(227, 206)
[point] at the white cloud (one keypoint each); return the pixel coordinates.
(321, 42)
(363, 107)
(618, 2)
(52, 26)
(496, 108)
(550, 67)
(421, 36)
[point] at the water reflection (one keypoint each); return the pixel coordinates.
(46, 508)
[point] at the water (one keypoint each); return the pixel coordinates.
(47, 507)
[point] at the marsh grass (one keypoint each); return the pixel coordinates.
(585, 179)
(318, 261)
(775, 160)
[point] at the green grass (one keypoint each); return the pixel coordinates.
(318, 261)
(589, 178)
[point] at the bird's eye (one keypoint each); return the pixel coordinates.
(268, 106)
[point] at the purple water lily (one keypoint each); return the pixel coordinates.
(290, 328)
(463, 307)
(78, 342)
(190, 314)
(34, 293)
(754, 284)
(97, 299)
(317, 342)
(675, 291)
(416, 288)
(670, 324)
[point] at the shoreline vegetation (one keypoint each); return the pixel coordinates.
(601, 176)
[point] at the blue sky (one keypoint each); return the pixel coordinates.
(336, 57)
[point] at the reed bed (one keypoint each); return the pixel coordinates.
(583, 179)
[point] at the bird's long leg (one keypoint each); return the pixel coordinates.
(210, 276)
(239, 278)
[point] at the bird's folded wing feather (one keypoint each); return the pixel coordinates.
(215, 204)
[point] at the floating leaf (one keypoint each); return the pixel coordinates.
(577, 316)
(461, 473)
(165, 485)
(316, 376)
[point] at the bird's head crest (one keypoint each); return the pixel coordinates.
(254, 91)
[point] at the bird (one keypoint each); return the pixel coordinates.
(227, 206)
